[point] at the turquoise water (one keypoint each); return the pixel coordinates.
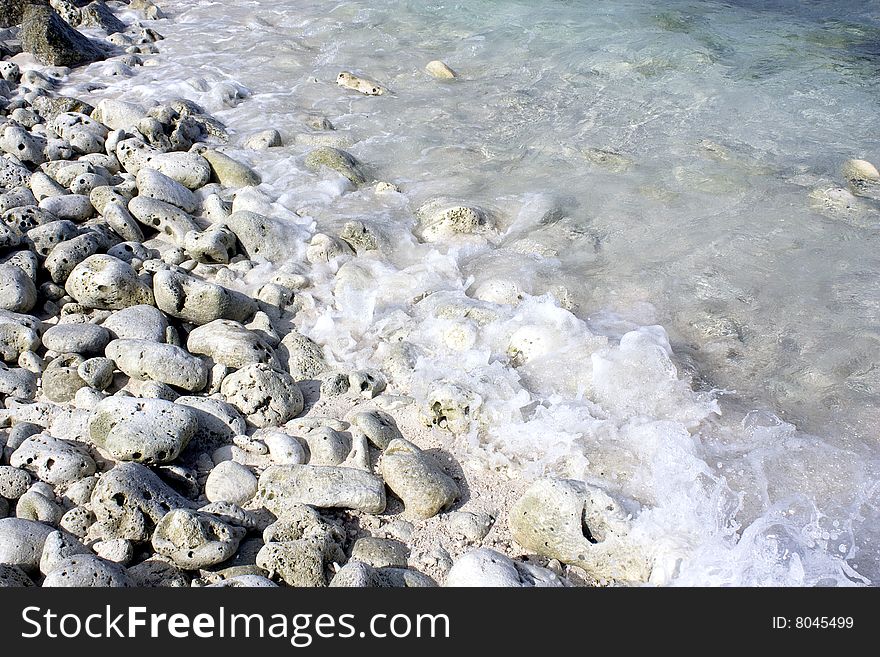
(648, 164)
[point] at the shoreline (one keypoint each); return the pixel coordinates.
(329, 271)
(106, 547)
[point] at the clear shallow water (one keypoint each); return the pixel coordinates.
(722, 119)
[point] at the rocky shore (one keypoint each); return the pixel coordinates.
(166, 425)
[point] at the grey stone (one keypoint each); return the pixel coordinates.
(21, 542)
(18, 383)
(25, 146)
(49, 235)
(105, 282)
(129, 500)
(326, 446)
(67, 255)
(153, 361)
(158, 573)
(13, 174)
(117, 216)
(229, 172)
(189, 169)
(13, 577)
(244, 581)
(321, 486)
(417, 479)
(266, 397)
(195, 540)
(283, 448)
(77, 521)
(262, 237)
(487, 568)
(300, 547)
(98, 14)
(304, 358)
(143, 430)
(56, 461)
(442, 218)
(263, 140)
(218, 423)
(43, 187)
(155, 185)
(35, 505)
(324, 248)
(97, 372)
(198, 301)
(17, 291)
(140, 322)
(70, 207)
(338, 160)
(163, 217)
(16, 339)
(231, 344)
(80, 491)
(380, 552)
(356, 574)
(85, 136)
(59, 546)
(473, 527)
(61, 379)
(14, 482)
(231, 482)
(76, 338)
(367, 383)
(215, 245)
(88, 570)
(131, 251)
(554, 518)
(378, 426)
(117, 550)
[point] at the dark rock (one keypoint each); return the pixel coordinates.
(45, 35)
(12, 11)
(98, 14)
(50, 107)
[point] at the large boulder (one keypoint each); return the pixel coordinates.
(45, 35)
(12, 11)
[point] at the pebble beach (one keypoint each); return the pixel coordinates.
(247, 356)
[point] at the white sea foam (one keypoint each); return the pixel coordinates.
(693, 250)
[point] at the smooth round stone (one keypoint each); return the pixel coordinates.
(87, 570)
(153, 361)
(76, 338)
(21, 542)
(150, 431)
(231, 482)
(140, 322)
(17, 290)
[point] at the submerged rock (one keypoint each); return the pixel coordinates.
(351, 81)
(339, 161)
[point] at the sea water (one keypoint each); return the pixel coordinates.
(662, 309)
